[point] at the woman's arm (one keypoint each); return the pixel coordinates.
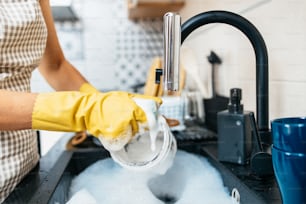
(16, 110)
(17, 107)
(59, 73)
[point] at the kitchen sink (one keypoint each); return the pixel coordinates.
(49, 182)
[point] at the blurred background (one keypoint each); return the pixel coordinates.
(113, 45)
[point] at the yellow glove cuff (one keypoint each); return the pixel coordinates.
(59, 111)
(88, 88)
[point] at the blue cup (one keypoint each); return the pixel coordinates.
(289, 134)
(289, 158)
(290, 173)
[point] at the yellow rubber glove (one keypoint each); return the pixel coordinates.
(88, 88)
(110, 115)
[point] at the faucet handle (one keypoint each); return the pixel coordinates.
(172, 43)
(261, 160)
(158, 74)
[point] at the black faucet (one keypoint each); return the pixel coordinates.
(259, 46)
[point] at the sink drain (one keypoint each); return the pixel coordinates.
(168, 199)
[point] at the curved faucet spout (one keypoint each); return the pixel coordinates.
(259, 46)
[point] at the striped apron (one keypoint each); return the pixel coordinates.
(23, 37)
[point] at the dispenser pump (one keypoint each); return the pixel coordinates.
(235, 105)
(234, 131)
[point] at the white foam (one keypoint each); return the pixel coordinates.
(191, 179)
(81, 197)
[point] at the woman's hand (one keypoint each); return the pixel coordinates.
(110, 114)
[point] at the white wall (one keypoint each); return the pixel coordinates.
(282, 25)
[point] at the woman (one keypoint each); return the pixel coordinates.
(28, 40)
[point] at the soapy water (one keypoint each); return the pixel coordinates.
(191, 179)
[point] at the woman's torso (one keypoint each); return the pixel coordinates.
(22, 42)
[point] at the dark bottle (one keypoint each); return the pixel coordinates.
(234, 131)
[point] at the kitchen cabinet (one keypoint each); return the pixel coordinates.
(138, 9)
(62, 11)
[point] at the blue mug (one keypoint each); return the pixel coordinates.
(290, 173)
(289, 158)
(289, 134)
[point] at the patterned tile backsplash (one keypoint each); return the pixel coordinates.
(137, 43)
(110, 50)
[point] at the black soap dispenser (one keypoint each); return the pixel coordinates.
(234, 131)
